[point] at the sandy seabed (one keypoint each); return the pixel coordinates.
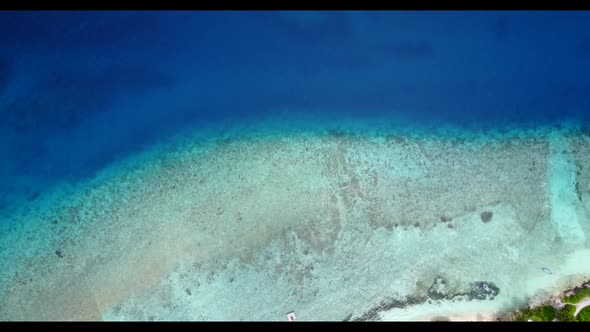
(334, 227)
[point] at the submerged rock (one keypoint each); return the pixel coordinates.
(486, 216)
(482, 290)
(438, 290)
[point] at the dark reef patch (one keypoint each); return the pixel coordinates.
(578, 191)
(482, 290)
(438, 291)
(388, 304)
(486, 216)
(445, 219)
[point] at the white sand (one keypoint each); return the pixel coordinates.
(582, 304)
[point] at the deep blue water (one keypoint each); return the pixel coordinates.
(79, 90)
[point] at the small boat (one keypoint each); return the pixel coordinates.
(291, 316)
(546, 270)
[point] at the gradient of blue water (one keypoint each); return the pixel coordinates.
(79, 90)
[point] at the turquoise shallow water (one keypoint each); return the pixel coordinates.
(79, 90)
(369, 222)
(338, 164)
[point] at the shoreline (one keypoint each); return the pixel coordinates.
(554, 300)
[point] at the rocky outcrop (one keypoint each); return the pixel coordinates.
(438, 291)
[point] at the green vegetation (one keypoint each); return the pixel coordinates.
(540, 314)
(576, 298)
(584, 315)
(566, 314)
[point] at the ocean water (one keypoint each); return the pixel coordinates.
(239, 165)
